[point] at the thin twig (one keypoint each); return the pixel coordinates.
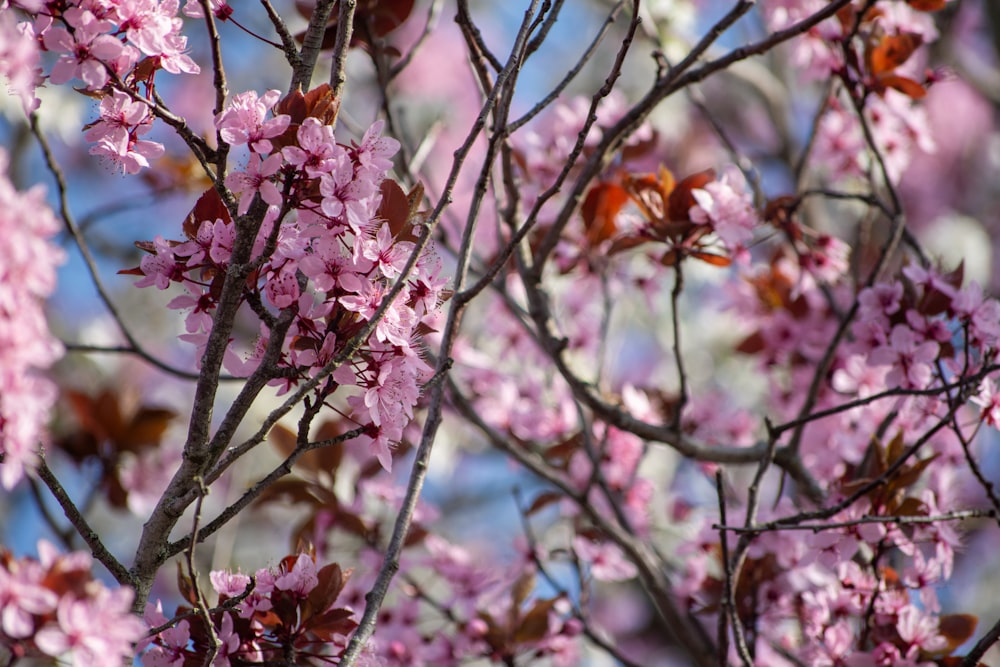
(88, 259)
(81, 524)
(200, 605)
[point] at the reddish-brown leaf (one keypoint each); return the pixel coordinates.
(372, 19)
(208, 207)
(710, 258)
(521, 589)
(395, 210)
(599, 209)
(283, 439)
(185, 585)
(927, 5)
(146, 428)
(651, 192)
(543, 500)
(907, 86)
(681, 200)
(957, 629)
(330, 583)
(535, 623)
(891, 51)
(332, 623)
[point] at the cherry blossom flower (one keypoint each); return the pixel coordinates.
(605, 560)
(727, 207)
(256, 179)
(85, 50)
(318, 153)
(28, 261)
(244, 120)
(988, 399)
(19, 60)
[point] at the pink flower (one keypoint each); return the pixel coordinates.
(318, 152)
(171, 647)
(83, 50)
(28, 261)
(989, 400)
(162, 268)
(909, 356)
(727, 207)
(375, 150)
(22, 595)
(130, 154)
(120, 117)
(300, 579)
(605, 559)
(244, 120)
(256, 179)
(389, 255)
(19, 60)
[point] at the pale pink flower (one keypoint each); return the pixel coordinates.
(160, 268)
(726, 205)
(318, 152)
(19, 60)
(27, 275)
(388, 254)
(83, 50)
(244, 120)
(256, 179)
(375, 150)
(988, 399)
(606, 560)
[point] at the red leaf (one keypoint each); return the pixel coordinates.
(912, 89)
(891, 51)
(543, 500)
(331, 580)
(599, 210)
(208, 207)
(535, 623)
(957, 629)
(710, 258)
(681, 199)
(927, 5)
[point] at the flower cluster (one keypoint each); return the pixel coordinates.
(120, 42)
(286, 612)
(913, 336)
(332, 244)
(27, 275)
(19, 60)
(53, 607)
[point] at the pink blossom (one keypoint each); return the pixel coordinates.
(982, 314)
(220, 8)
(160, 268)
(300, 579)
(318, 153)
(909, 356)
(83, 50)
(28, 261)
(19, 60)
(22, 595)
(727, 207)
(171, 645)
(243, 120)
(256, 179)
(988, 399)
(388, 254)
(605, 560)
(375, 150)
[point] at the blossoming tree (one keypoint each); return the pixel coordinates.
(697, 335)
